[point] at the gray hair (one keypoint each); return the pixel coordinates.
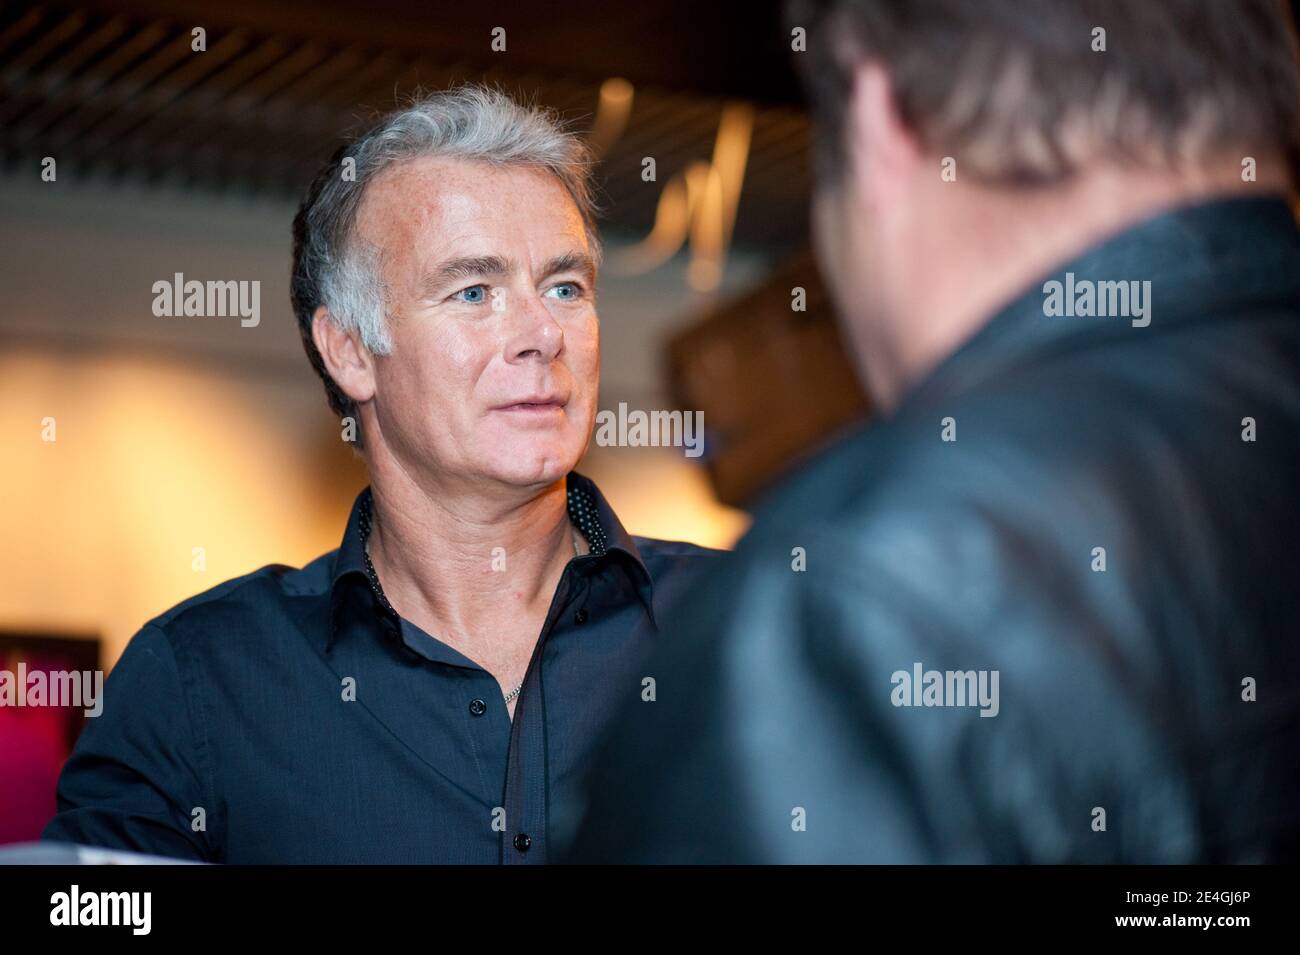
(331, 267)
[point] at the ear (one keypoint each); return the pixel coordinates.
(348, 362)
(883, 151)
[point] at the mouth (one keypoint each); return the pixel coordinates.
(535, 406)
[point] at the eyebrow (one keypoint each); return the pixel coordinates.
(579, 262)
(484, 266)
(465, 267)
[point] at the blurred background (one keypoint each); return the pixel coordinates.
(130, 440)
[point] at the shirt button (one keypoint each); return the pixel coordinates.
(580, 617)
(523, 841)
(477, 707)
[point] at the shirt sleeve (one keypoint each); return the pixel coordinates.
(134, 780)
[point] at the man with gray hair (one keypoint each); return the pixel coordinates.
(432, 690)
(1045, 608)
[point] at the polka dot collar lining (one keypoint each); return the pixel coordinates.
(582, 512)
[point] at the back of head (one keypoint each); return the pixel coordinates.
(1032, 93)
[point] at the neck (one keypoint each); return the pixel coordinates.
(993, 242)
(467, 564)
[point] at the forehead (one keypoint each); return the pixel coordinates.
(449, 203)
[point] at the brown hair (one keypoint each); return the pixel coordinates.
(1017, 92)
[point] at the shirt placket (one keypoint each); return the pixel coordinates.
(524, 839)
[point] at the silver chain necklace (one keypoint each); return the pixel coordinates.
(577, 552)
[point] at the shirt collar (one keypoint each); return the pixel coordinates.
(589, 511)
(608, 540)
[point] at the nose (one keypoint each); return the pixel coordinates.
(535, 334)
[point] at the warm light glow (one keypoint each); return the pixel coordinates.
(708, 234)
(704, 208)
(613, 108)
(730, 157)
(656, 492)
(149, 462)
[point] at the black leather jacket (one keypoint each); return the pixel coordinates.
(1148, 695)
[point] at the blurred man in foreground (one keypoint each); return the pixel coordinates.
(1049, 610)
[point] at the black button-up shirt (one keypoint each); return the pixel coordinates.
(293, 716)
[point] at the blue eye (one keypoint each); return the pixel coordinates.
(474, 295)
(573, 289)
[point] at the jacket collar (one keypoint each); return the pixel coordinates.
(1200, 260)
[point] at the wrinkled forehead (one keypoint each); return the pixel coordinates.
(434, 207)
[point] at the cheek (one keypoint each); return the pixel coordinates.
(825, 233)
(455, 348)
(584, 347)
(452, 358)
(435, 376)
(835, 245)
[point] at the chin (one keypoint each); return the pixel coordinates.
(533, 463)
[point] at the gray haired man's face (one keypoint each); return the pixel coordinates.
(490, 287)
